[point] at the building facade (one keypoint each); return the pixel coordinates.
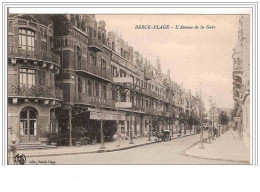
(67, 71)
(32, 66)
(241, 79)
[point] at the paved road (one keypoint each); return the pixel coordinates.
(171, 152)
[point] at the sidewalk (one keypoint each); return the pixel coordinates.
(85, 149)
(226, 148)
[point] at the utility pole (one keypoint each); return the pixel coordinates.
(70, 126)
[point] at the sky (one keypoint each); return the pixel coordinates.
(198, 58)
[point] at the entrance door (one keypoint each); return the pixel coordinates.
(28, 124)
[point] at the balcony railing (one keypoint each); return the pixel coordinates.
(95, 44)
(137, 108)
(35, 91)
(95, 70)
(37, 54)
(93, 100)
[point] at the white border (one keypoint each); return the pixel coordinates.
(129, 178)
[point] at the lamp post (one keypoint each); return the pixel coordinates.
(98, 107)
(70, 125)
(131, 134)
(117, 124)
(149, 133)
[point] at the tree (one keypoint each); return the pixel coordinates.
(223, 118)
(234, 111)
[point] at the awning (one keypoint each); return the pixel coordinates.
(106, 115)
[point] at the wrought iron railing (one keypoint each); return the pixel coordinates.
(37, 54)
(35, 91)
(95, 70)
(93, 100)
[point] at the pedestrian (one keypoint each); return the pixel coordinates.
(12, 144)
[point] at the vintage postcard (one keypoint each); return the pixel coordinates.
(143, 89)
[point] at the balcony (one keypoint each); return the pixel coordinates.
(95, 44)
(95, 70)
(138, 108)
(83, 98)
(150, 111)
(47, 92)
(162, 113)
(39, 55)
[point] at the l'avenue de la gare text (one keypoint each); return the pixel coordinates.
(175, 27)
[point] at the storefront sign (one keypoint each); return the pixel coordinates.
(106, 116)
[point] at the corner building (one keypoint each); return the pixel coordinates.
(33, 95)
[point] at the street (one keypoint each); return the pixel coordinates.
(171, 152)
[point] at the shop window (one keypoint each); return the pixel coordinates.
(28, 122)
(26, 39)
(27, 77)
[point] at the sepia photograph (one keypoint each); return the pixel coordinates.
(128, 89)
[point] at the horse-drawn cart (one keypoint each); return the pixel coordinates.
(163, 136)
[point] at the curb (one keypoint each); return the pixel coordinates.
(96, 151)
(207, 158)
(103, 150)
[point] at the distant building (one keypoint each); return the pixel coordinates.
(241, 79)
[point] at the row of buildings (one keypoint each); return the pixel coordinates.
(66, 71)
(241, 79)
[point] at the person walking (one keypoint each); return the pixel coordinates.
(12, 144)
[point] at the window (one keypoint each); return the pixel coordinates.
(26, 39)
(114, 95)
(28, 122)
(79, 84)
(103, 64)
(42, 77)
(97, 89)
(27, 77)
(10, 26)
(122, 73)
(77, 21)
(104, 91)
(103, 39)
(92, 59)
(99, 36)
(114, 71)
(78, 57)
(89, 88)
